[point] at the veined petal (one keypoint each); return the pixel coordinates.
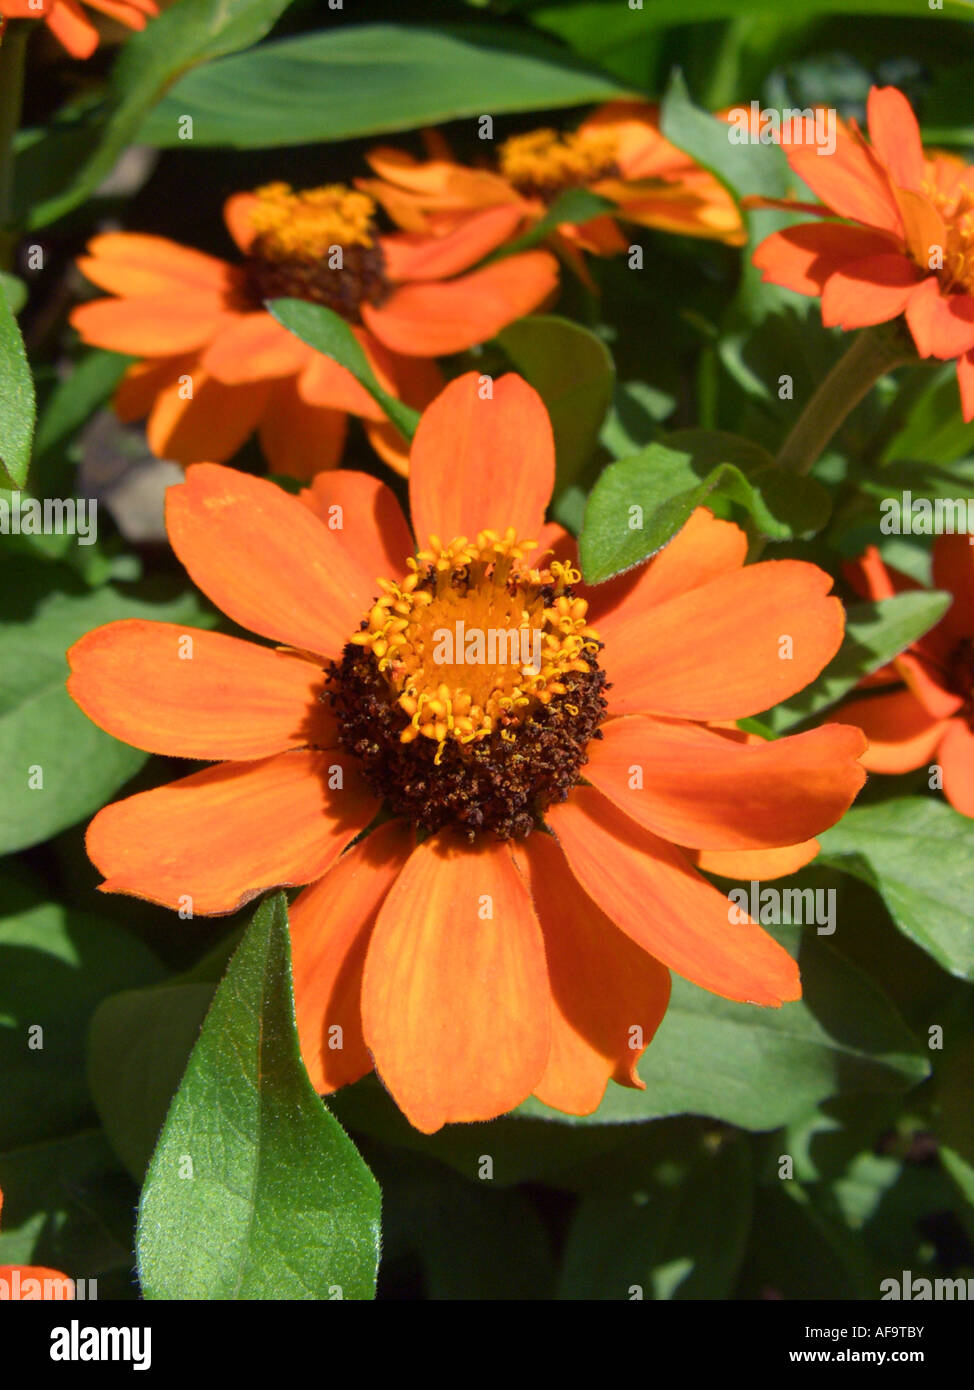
(728, 649)
(697, 788)
(850, 181)
(608, 996)
(214, 840)
(703, 549)
(331, 923)
(264, 559)
(189, 693)
(650, 891)
(437, 317)
(455, 1002)
(357, 503)
(479, 463)
(901, 734)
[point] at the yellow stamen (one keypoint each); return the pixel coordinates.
(957, 210)
(421, 637)
(544, 162)
(304, 225)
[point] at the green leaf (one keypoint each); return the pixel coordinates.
(742, 168)
(639, 503)
(184, 35)
(572, 371)
(672, 1231)
(328, 333)
(573, 206)
(918, 853)
(17, 405)
(139, 1043)
(661, 14)
(874, 634)
(367, 78)
(278, 1204)
(74, 400)
(56, 766)
(935, 430)
(760, 1068)
(55, 966)
(13, 290)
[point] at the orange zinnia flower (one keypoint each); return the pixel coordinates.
(27, 1282)
(471, 961)
(617, 153)
(911, 250)
(930, 716)
(216, 365)
(69, 23)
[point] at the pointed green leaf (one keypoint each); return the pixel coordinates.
(254, 1190)
(17, 406)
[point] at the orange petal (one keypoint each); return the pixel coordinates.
(957, 759)
(720, 651)
(298, 439)
(695, 787)
(851, 181)
(366, 514)
(873, 290)
(331, 923)
(479, 463)
(703, 549)
(756, 864)
(608, 996)
(649, 890)
(895, 135)
(802, 258)
(264, 559)
(212, 423)
(71, 27)
(389, 444)
(236, 214)
(418, 256)
(953, 570)
(901, 734)
(942, 324)
(253, 347)
(210, 842)
(194, 694)
(15, 1279)
(144, 381)
(151, 326)
(444, 316)
(455, 994)
(135, 265)
(965, 384)
(325, 383)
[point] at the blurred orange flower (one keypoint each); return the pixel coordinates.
(929, 717)
(911, 248)
(216, 366)
(505, 927)
(68, 22)
(617, 153)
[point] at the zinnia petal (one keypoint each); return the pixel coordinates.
(331, 923)
(608, 996)
(901, 734)
(942, 324)
(212, 841)
(873, 290)
(895, 135)
(480, 462)
(455, 995)
(189, 693)
(956, 756)
(649, 890)
(345, 500)
(695, 787)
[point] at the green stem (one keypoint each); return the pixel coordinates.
(874, 352)
(13, 50)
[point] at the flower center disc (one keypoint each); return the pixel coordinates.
(319, 245)
(957, 210)
(472, 689)
(543, 163)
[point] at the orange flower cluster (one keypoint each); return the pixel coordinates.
(69, 24)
